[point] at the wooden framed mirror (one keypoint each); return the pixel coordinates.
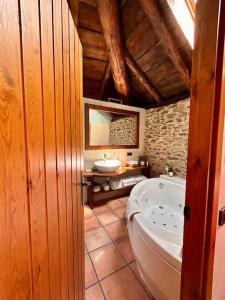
(111, 128)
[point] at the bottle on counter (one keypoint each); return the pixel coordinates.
(167, 169)
(171, 172)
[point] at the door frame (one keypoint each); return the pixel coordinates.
(204, 151)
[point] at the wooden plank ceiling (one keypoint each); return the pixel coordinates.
(133, 50)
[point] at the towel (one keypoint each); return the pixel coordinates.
(140, 178)
(132, 208)
(129, 181)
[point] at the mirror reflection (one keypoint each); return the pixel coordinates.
(112, 128)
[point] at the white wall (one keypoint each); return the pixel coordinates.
(91, 155)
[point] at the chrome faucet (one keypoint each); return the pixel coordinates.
(105, 156)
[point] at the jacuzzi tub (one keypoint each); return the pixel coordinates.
(156, 234)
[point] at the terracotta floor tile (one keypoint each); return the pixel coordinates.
(96, 238)
(125, 248)
(87, 211)
(106, 260)
(94, 293)
(134, 268)
(113, 204)
(107, 218)
(91, 223)
(90, 276)
(120, 212)
(117, 230)
(101, 209)
(123, 285)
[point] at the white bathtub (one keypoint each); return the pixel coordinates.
(156, 234)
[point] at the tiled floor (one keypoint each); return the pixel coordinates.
(110, 270)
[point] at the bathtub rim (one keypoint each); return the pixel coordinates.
(169, 252)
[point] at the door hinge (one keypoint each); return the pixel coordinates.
(222, 216)
(187, 213)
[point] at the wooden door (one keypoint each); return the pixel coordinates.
(218, 232)
(41, 211)
(205, 177)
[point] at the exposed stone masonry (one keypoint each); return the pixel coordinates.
(123, 131)
(166, 137)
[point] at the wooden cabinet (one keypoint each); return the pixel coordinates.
(95, 199)
(41, 212)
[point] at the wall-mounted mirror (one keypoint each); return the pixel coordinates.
(110, 128)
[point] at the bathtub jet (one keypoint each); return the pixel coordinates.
(155, 225)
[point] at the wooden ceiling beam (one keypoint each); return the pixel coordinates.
(137, 72)
(109, 16)
(152, 12)
(105, 80)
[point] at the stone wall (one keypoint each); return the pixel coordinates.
(123, 131)
(166, 137)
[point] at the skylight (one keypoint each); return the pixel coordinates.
(184, 17)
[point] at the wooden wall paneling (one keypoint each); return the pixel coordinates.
(91, 87)
(88, 17)
(151, 59)
(132, 15)
(15, 267)
(35, 147)
(68, 154)
(74, 151)
(60, 145)
(94, 44)
(155, 18)
(176, 31)
(141, 77)
(93, 68)
(141, 39)
(47, 60)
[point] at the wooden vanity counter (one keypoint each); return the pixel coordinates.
(95, 199)
(120, 171)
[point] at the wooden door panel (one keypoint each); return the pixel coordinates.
(218, 292)
(15, 267)
(79, 137)
(35, 147)
(68, 143)
(204, 153)
(41, 212)
(60, 146)
(74, 149)
(48, 92)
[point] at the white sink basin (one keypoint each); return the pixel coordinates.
(107, 166)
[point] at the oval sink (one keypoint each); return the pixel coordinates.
(107, 166)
